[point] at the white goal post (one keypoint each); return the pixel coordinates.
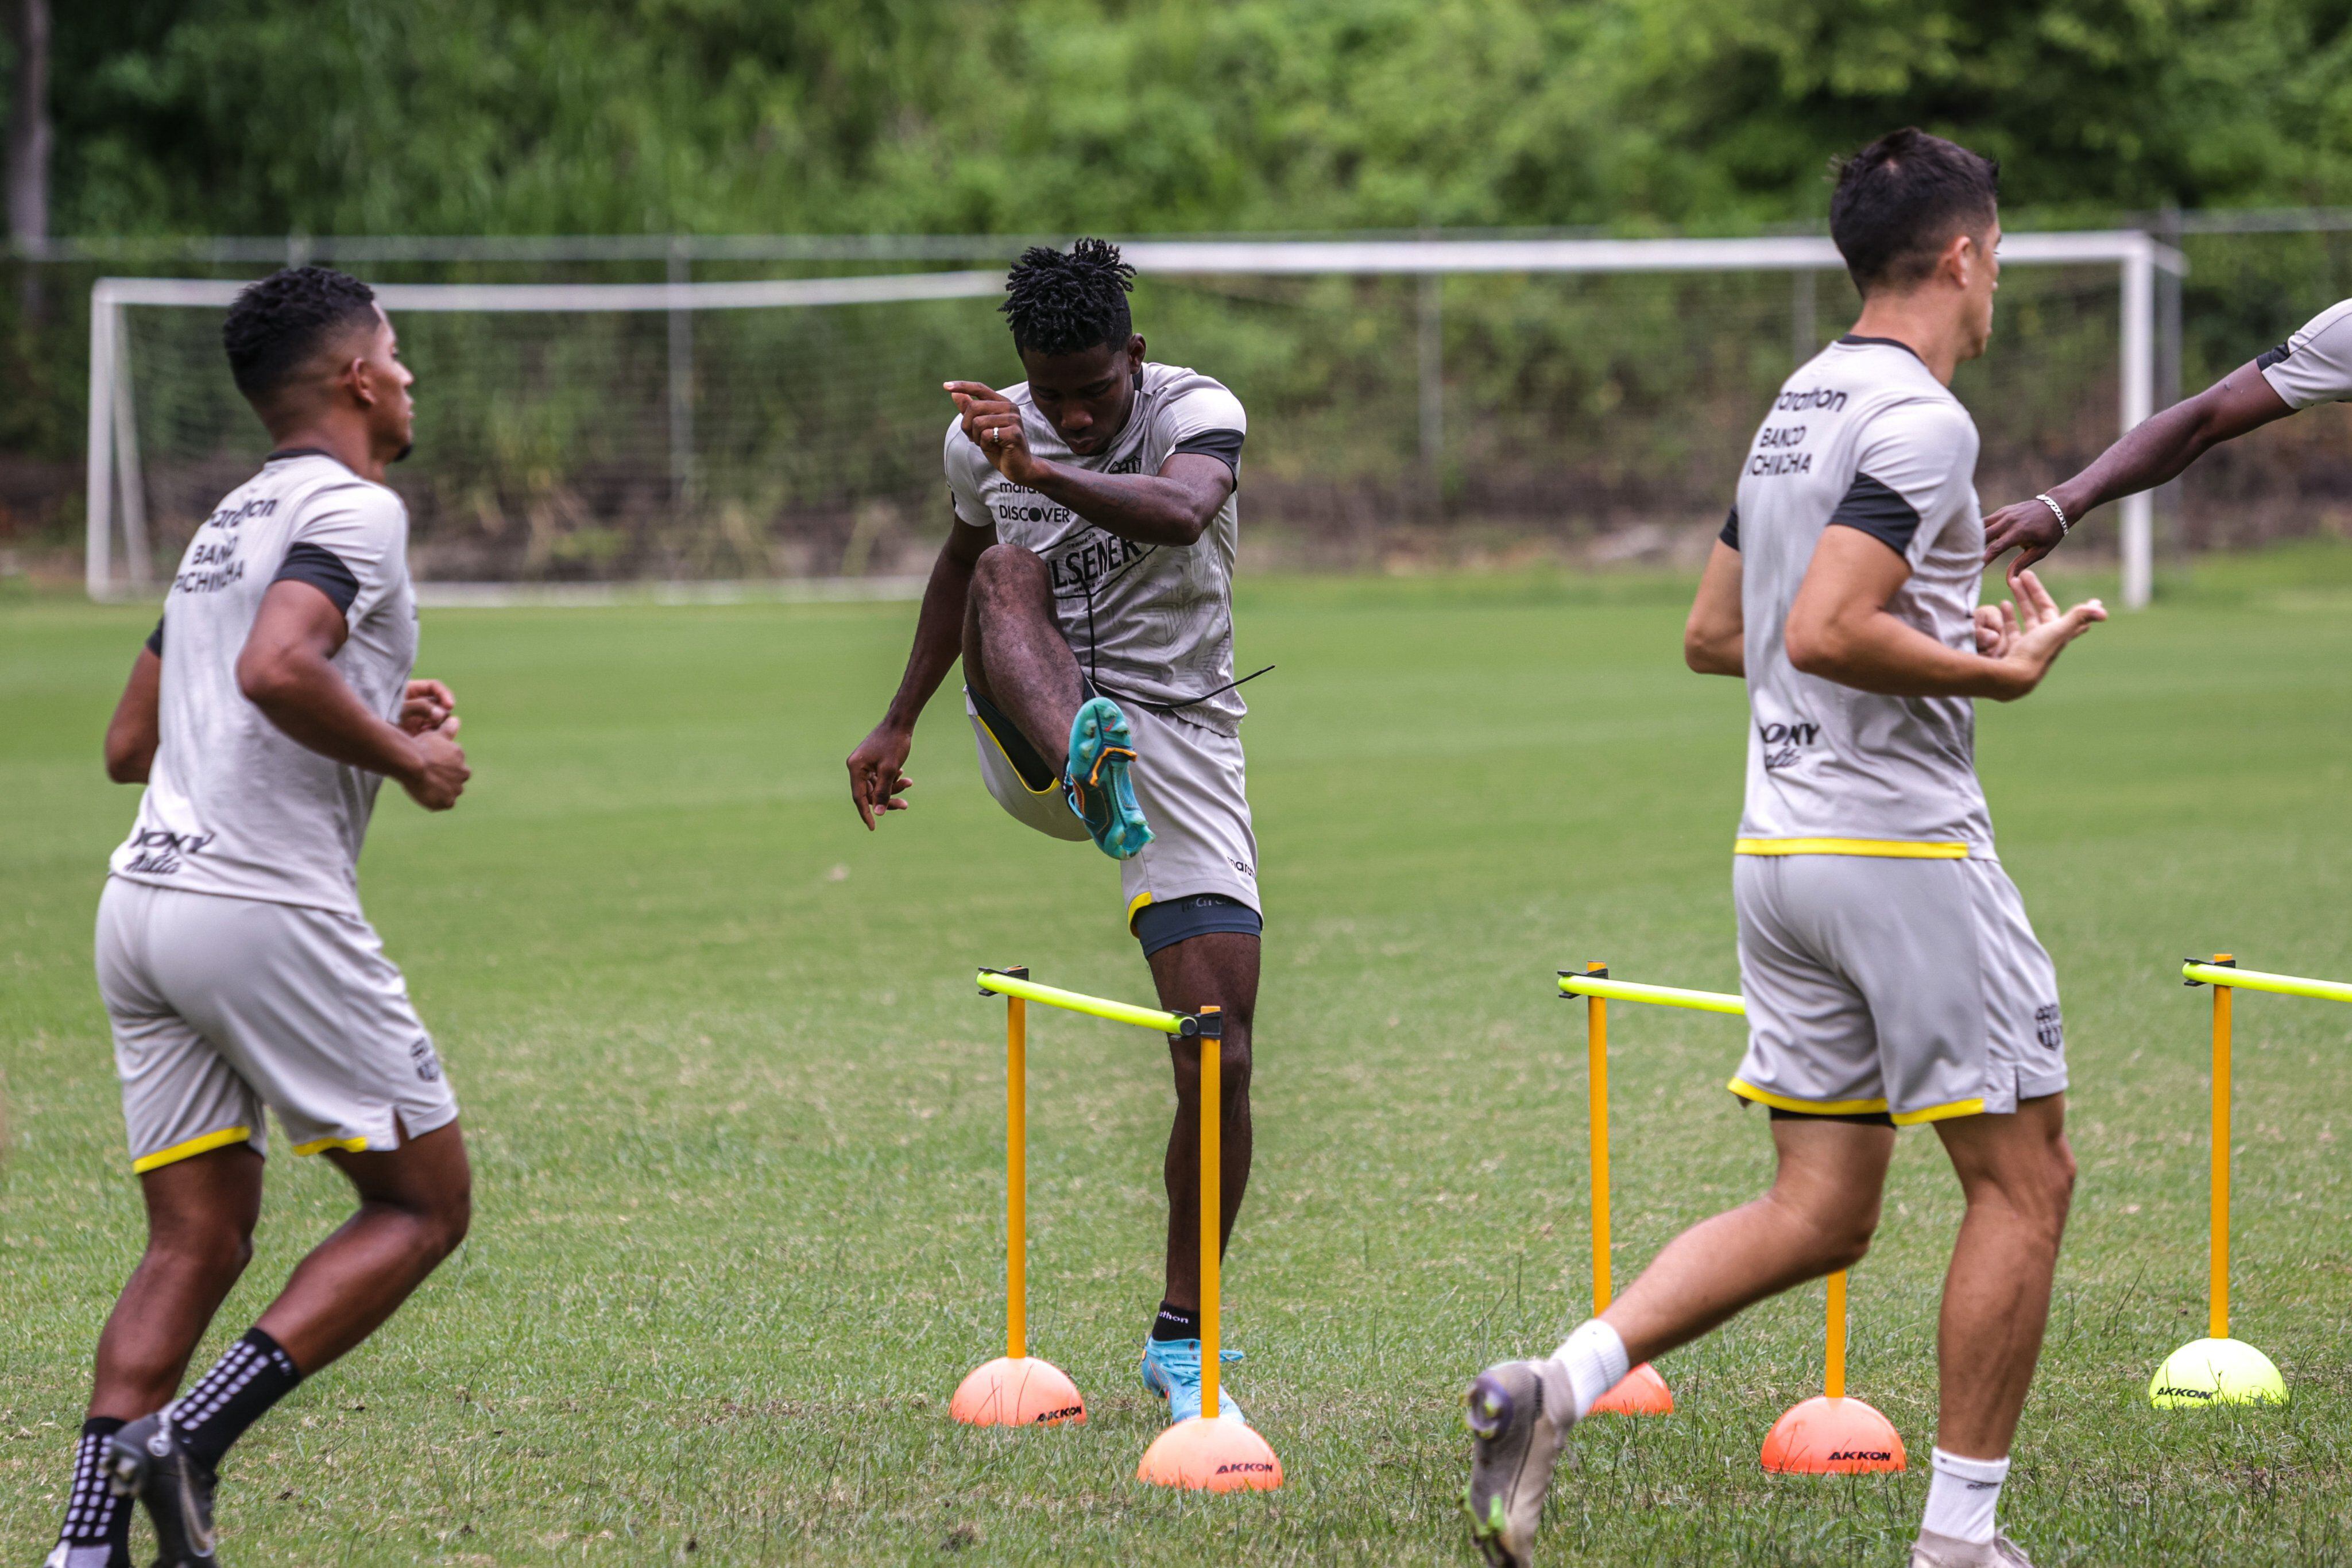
(117, 507)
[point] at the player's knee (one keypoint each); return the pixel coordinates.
(1008, 571)
(214, 1254)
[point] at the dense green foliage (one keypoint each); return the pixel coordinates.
(737, 1115)
(730, 116)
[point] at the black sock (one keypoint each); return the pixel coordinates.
(1176, 1322)
(97, 1529)
(253, 1374)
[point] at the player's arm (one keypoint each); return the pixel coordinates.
(1173, 506)
(131, 733)
(875, 781)
(285, 671)
(2150, 453)
(1715, 638)
(1840, 629)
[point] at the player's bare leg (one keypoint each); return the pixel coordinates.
(2018, 1176)
(1816, 1218)
(1013, 653)
(415, 1203)
(1218, 969)
(200, 1217)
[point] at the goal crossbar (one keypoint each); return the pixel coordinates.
(113, 471)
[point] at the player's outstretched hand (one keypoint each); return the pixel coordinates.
(440, 775)
(991, 423)
(2041, 633)
(425, 706)
(2028, 528)
(875, 782)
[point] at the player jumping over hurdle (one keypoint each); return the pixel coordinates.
(1087, 582)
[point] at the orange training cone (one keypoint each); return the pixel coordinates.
(1826, 1437)
(1642, 1393)
(1017, 1392)
(1207, 1454)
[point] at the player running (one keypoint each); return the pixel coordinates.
(1087, 583)
(235, 966)
(2315, 366)
(1891, 976)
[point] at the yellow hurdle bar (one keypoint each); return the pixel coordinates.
(1078, 1002)
(2197, 974)
(1662, 996)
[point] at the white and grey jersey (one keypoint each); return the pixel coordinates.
(1152, 622)
(2315, 364)
(233, 805)
(1862, 436)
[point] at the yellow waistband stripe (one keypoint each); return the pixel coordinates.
(1135, 907)
(320, 1145)
(1811, 1107)
(1940, 1113)
(1878, 849)
(199, 1146)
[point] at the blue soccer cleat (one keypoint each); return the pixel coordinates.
(1100, 792)
(1172, 1369)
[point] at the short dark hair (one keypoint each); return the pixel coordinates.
(1900, 200)
(279, 322)
(1065, 302)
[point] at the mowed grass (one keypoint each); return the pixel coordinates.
(737, 1114)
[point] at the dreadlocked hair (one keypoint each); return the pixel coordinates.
(277, 324)
(1065, 302)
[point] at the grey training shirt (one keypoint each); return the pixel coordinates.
(233, 805)
(2315, 364)
(1862, 436)
(1147, 621)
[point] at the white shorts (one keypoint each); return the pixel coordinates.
(222, 1006)
(1914, 988)
(1189, 781)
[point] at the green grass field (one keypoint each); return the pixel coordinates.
(736, 1112)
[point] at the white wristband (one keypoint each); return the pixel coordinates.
(2059, 512)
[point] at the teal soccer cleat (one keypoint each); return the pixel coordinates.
(1100, 792)
(1172, 1369)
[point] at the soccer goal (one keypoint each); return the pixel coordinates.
(1410, 400)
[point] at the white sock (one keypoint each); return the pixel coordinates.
(1962, 1495)
(1595, 1361)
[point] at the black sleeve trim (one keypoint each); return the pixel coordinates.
(2270, 357)
(1879, 512)
(322, 569)
(1224, 445)
(155, 638)
(1730, 534)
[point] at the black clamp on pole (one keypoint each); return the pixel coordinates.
(1599, 973)
(2191, 980)
(1209, 1023)
(1018, 972)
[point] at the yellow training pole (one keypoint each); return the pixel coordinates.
(1213, 1118)
(1596, 1075)
(2221, 1291)
(1017, 1177)
(1833, 1384)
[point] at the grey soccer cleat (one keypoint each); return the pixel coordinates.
(145, 1461)
(1934, 1550)
(1519, 1413)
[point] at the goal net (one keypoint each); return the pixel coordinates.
(1411, 401)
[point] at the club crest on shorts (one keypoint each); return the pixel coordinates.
(2047, 1028)
(428, 1064)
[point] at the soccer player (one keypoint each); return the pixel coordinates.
(236, 968)
(1891, 976)
(2315, 366)
(1087, 581)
